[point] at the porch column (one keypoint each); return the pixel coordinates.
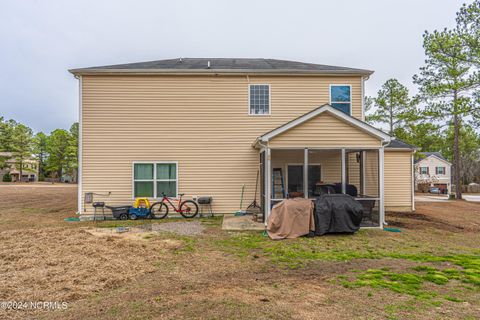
(305, 173)
(344, 172)
(412, 169)
(268, 183)
(381, 207)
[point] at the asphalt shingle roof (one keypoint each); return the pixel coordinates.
(225, 65)
(428, 154)
(399, 144)
(437, 154)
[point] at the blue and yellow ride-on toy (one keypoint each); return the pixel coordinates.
(140, 209)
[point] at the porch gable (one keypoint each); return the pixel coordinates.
(325, 127)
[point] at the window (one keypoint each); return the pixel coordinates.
(259, 96)
(340, 97)
(423, 170)
(151, 179)
(167, 179)
(440, 170)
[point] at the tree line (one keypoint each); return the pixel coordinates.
(57, 152)
(445, 114)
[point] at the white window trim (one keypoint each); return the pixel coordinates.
(340, 85)
(269, 100)
(421, 171)
(444, 170)
(154, 180)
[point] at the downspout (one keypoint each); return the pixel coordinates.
(364, 78)
(268, 183)
(80, 143)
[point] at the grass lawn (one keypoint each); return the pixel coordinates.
(431, 270)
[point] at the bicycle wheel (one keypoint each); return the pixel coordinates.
(188, 209)
(159, 210)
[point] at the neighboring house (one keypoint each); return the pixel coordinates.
(68, 178)
(433, 170)
(207, 126)
(29, 172)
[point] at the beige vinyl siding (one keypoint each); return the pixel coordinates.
(371, 173)
(353, 170)
(288, 94)
(200, 121)
(398, 180)
(324, 130)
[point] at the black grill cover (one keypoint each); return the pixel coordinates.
(337, 213)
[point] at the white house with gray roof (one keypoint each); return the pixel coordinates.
(433, 170)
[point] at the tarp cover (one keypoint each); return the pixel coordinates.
(291, 218)
(336, 213)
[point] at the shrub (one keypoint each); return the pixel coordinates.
(7, 177)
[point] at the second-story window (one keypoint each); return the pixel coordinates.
(340, 97)
(440, 170)
(259, 99)
(423, 170)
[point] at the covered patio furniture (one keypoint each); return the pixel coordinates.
(291, 218)
(337, 213)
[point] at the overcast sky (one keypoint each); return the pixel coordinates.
(40, 40)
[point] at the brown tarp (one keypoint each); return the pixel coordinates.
(291, 218)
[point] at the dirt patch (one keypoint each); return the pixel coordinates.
(135, 233)
(452, 216)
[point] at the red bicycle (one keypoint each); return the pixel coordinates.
(187, 208)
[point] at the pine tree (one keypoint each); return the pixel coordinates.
(21, 145)
(445, 83)
(58, 148)
(40, 142)
(392, 106)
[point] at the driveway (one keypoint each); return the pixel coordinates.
(472, 197)
(442, 198)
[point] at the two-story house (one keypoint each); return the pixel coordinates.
(208, 126)
(11, 167)
(433, 170)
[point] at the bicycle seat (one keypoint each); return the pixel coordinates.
(181, 194)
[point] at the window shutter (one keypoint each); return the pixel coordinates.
(428, 170)
(436, 170)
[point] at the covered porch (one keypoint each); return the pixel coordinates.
(311, 172)
(324, 151)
